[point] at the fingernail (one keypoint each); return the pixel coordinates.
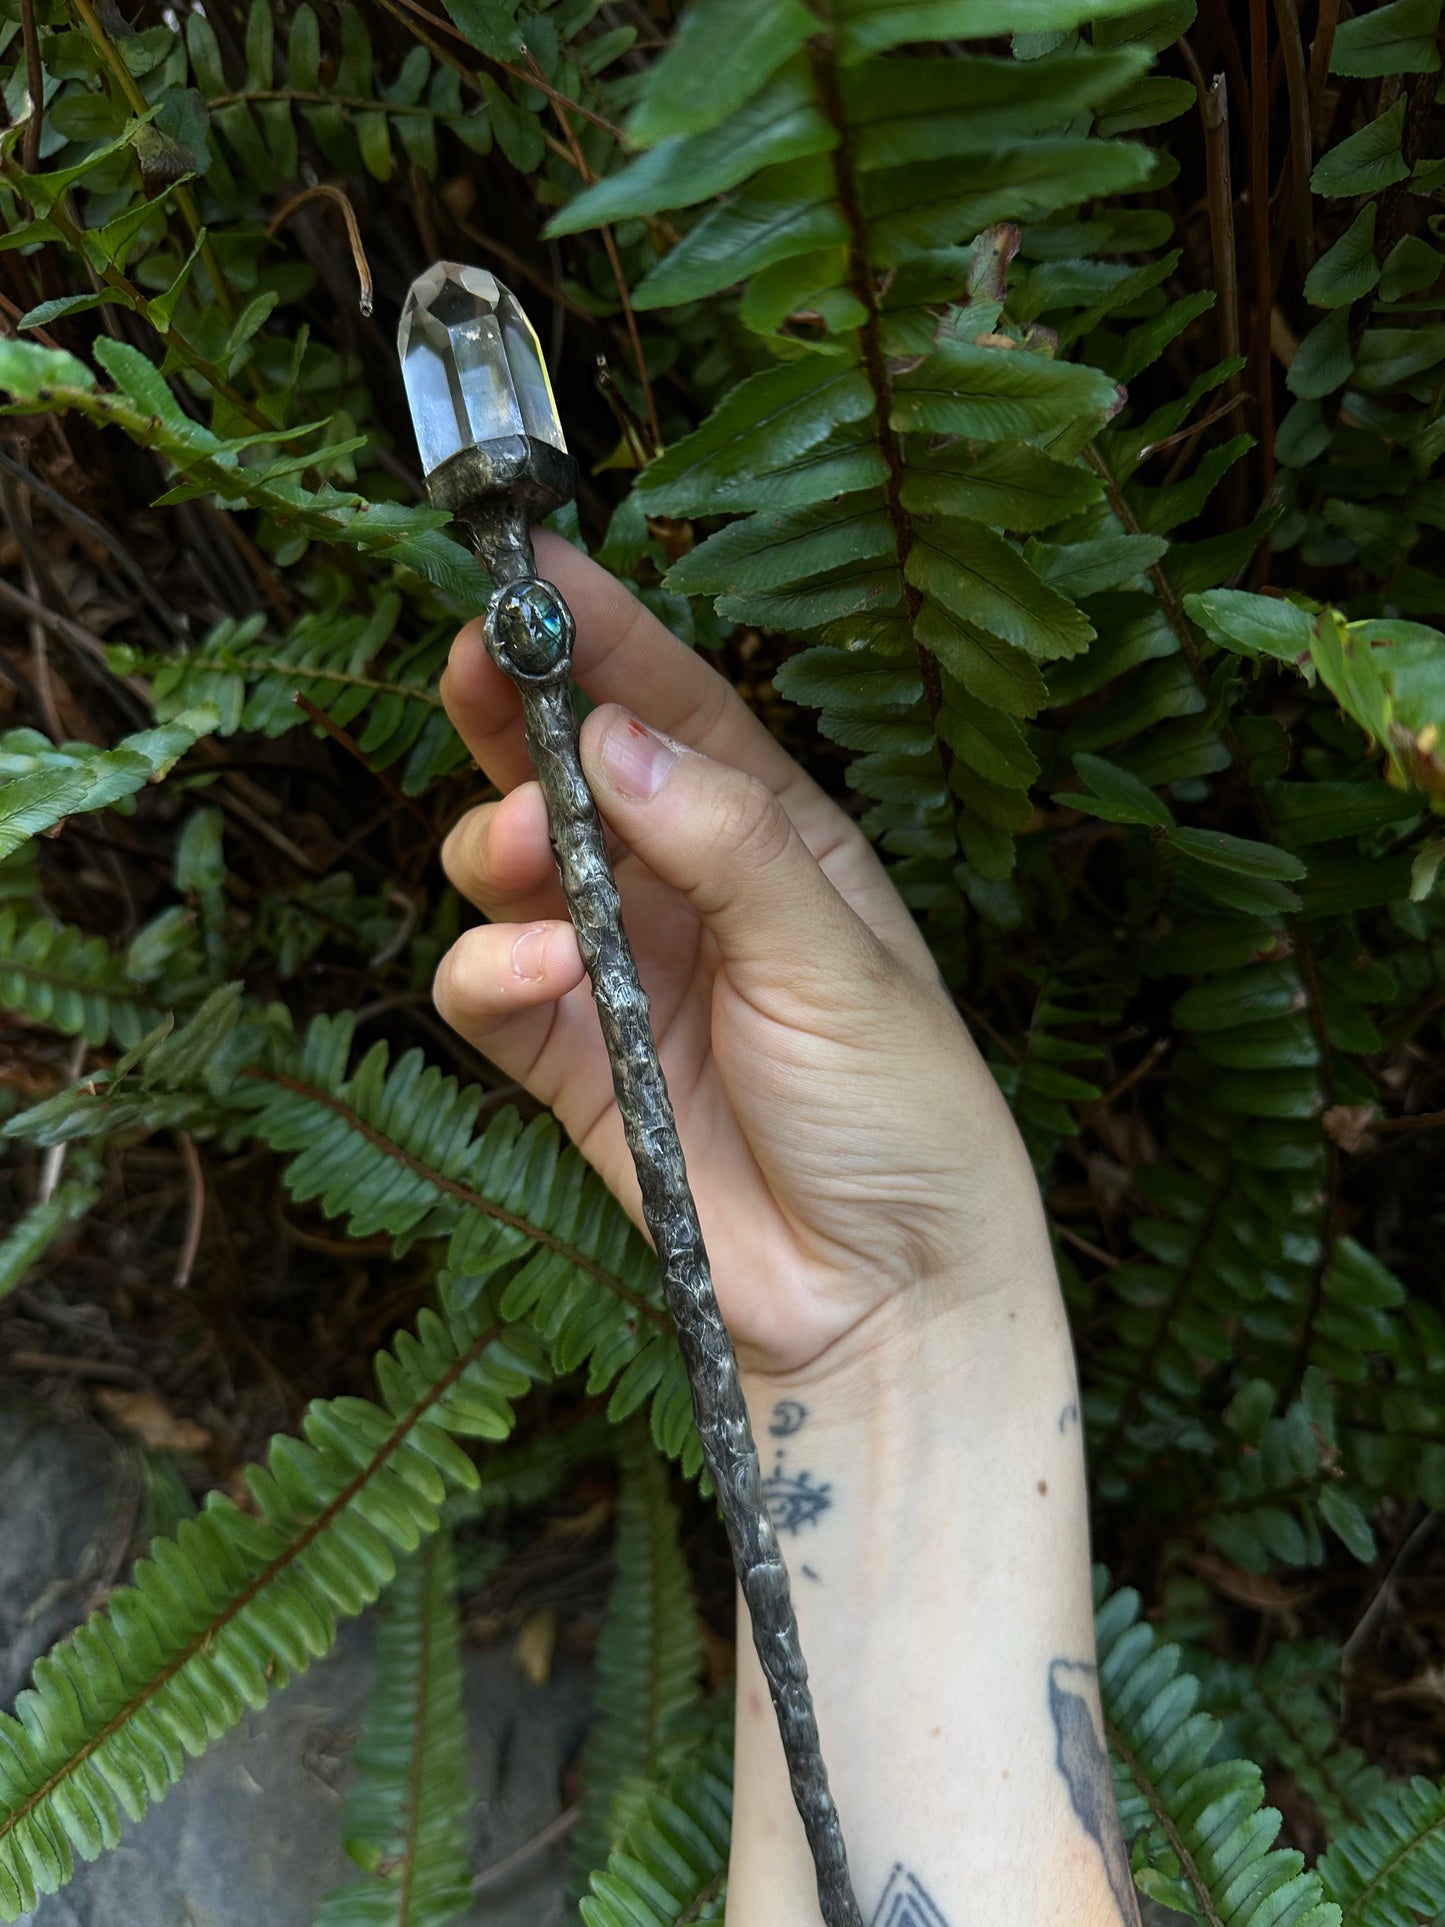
(637, 762)
(529, 956)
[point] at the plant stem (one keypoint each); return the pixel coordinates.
(138, 103)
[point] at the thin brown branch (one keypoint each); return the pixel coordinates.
(138, 105)
(530, 78)
(556, 1829)
(1194, 430)
(408, 12)
(1299, 162)
(105, 1370)
(15, 313)
(1320, 51)
(563, 103)
(195, 1211)
(1420, 1121)
(78, 637)
(1263, 365)
(348, 742)
(1159, 1048)
(579, 161)
(1214, 110)
(1089, 1249)
(98, 532)
(1222, 17)
(324, 191)
(35, 87)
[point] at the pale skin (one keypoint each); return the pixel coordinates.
(879, 1253)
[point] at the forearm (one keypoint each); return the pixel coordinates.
(930, 1501)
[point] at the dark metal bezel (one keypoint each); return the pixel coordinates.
(527, 471)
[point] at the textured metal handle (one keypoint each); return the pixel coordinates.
(518, 639)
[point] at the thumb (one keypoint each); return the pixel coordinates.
(723, 839)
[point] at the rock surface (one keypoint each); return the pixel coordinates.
(252, 1835)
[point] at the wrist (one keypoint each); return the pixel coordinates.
(915, 1395)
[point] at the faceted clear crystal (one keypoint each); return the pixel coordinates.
(472, 365)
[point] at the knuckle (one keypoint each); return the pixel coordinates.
(752, 824)
(457, 985)
(463, 851)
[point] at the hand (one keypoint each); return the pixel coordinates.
(854, 1165)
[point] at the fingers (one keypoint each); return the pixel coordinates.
(622, 650)
(499, 858)
(500, 985)
(724, 840)
(624, 654)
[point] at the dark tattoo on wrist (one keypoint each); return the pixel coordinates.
(907, 1902)
(792, 1498)
(1083, 1760)
(1069, 1416)
(788, 1416)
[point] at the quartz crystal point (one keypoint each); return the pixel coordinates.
(472, 366)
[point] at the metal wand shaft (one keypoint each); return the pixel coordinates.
(667, 1204)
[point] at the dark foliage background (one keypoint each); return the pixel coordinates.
(1075, 522)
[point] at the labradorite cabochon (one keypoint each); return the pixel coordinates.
(532, 625)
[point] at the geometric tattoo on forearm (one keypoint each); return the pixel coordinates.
(906, 1903)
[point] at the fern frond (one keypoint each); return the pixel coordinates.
(356, 120)
(873, 521)
(525, 1475)
(672, 1862)
(648, 1692)
(329, 656)
(58, 976)
(33, 1234)
(144, 409)
(237, 1602)
(395, 1150)
(1201, 1839)
(406, 1810)
(1286, 1713)
(1389, 1869)
(41, 782)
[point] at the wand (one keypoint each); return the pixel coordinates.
(494, 455)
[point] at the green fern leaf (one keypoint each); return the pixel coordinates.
(33, 1234)
(57, 976)
(723, 53)
(1200, 1838)
(394, 1150)
(647, 1693)
(406, 1811)
(44, 783)
(237, 1602)
(1389, 1870)
(780, 124)
(672, 1863)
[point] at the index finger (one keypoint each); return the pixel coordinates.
(623, 655)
